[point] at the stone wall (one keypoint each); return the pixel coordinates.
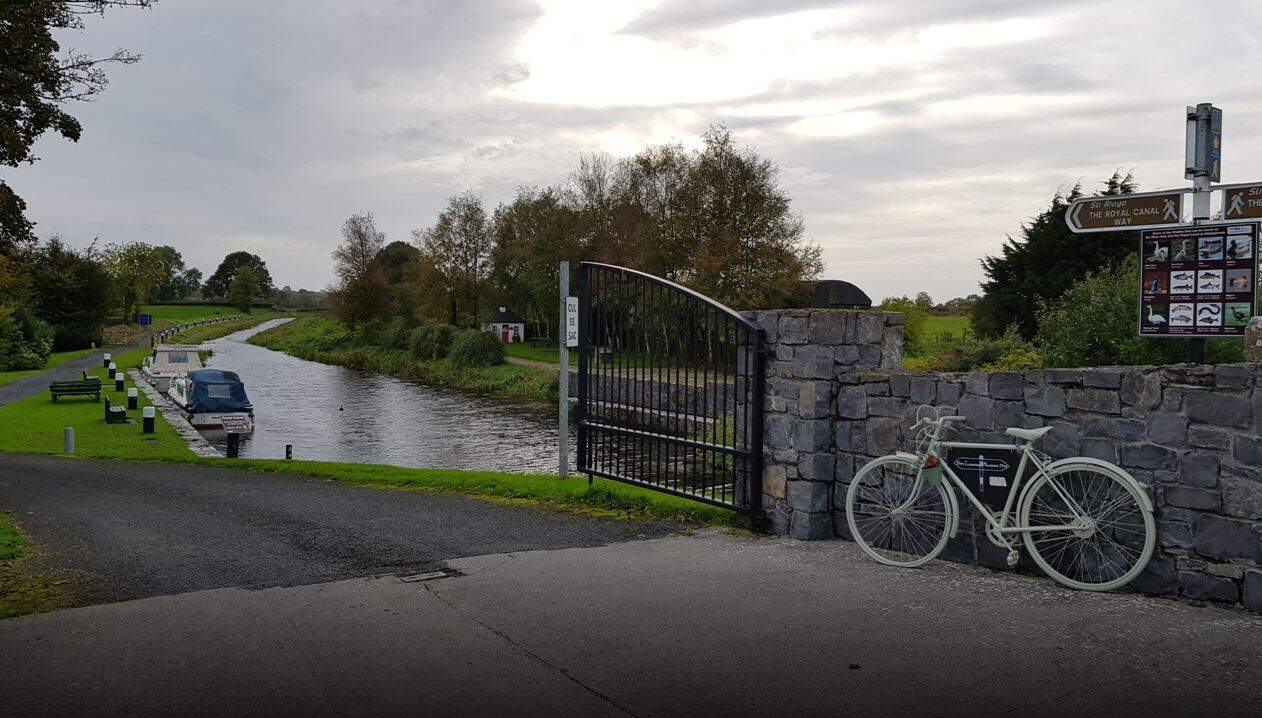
(1188, 433)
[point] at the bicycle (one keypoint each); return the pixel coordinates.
(1085, 522)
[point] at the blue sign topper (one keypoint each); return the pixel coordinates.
(146, 319)
(1215, 149)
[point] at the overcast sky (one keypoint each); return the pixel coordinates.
(913, 136)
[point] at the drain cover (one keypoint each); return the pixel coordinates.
(427, 576)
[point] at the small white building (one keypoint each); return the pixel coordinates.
(508, 326)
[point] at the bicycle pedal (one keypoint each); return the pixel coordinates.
(1013, 557)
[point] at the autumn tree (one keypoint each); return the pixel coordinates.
(133, 268)
(459, 246)
(361, 294)
(533, 234)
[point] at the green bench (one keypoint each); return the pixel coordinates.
(90, 386)
(114, 414)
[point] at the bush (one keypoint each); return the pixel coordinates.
(76, 337)
(431, 341)
(913, 322)
(397, 334)
(369, 333)
(1009, 350)
(477, 349)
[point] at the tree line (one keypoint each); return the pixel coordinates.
(714, 219)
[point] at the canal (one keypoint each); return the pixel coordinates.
(331, 413)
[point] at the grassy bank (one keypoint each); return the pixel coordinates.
(522, 350)
(197, 335)
(54, 359)
(11, 540)
(23, 589)
(189, 312)
(318, 337)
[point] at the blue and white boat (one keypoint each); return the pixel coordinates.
(213, 399)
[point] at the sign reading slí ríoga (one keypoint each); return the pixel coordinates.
(1126, 212)
(1242, 202)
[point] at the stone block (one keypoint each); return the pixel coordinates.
(1204, 587)
(1158, 577)
(1006, 385)
(869, 327)
(979, 412)
(1253, 340)
(870, 356)
(813, 399)
(830, 327)
(1207, 437)
(773, 481)
(1192, 498)
(949, 393)
(977, 383)
(1174, 534)
(1199, 469)
(882, 436)
(850, 436)
(769, 322)
(1103, 449)
(876, 388)
(1141, 389)
(1242, 498)
(1063, 376)
(1188, 374)
(1247, 450)
(1224, 538)
(852, 402)
(1232, 376)
(1218, 409)
(1102, 379)
(792, 329)
(1045, 400)
(778, 432)
(816, 467)
(886, 406)
(1167, 428)
(809, 496)
(1009, 413)
(784, 352)
(1116, 428)
(900, 385)
(843, 467)
(1064, 440)
(1225, 570)
(810, 527)
(923, 389)
(811, 435)
(1149, 456)
(813, 362)
(1190, 563)
(1102, 401)
(1251, 590)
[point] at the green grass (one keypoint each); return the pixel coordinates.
(54, 359)
(11, 540)
(189, 313)
(313, 337)
(197, 335)
(522, 350)
(35, 424)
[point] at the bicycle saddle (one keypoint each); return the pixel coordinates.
(1027, 434)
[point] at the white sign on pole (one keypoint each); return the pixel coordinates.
(571, 321)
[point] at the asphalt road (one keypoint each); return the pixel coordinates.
(122, 530)
(26, 386)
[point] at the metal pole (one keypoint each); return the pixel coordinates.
(563, 379)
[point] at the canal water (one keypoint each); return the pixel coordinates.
(330, 413)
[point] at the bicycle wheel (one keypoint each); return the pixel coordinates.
(1109, 548)
(888, 522)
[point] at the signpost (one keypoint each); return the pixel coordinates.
(568, 306)
(1130, 211)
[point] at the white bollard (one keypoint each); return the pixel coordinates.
(69, 439)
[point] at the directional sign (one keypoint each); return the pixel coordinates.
(1141, 211)
(1242, 202)
(1214, 153)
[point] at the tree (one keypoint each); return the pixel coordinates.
(459, 247)
(1041, 265)
(361, 295)
(71, 292)
(245, 288)
(133, 268)
(217, 285)
(400, 265)
(37, 80)
(177, 281)
(533, 234)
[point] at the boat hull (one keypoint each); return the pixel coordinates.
(225, 421)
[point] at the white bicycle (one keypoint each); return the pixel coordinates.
(1085, 522)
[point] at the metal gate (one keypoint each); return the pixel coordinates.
(670, 389)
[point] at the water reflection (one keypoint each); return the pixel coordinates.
(331, 413)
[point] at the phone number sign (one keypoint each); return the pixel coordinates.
(1198, 281)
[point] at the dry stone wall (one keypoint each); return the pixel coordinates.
(1189, 433)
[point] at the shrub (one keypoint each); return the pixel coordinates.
(974, 353)
(913, 323)
(397, 334)
(369, 333)
(477, 349)
(431, 341)
(76, 337)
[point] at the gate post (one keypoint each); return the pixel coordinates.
(580, 411)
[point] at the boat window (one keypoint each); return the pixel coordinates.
(177, 357)
(219, 391)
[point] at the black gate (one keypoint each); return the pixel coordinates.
(670, 389)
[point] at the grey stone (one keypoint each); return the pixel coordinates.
(1158, 577)
(1190, 498)
(869, 327)
(1172, 398)
(1242, 498)
(1124, 429)
(1102, 379)
(810, 435)
(1141, 389)
(810, 527)
(1225, 570)
(1098, 400)
(1009, 413)
(1064, 440)
(1190, 563)
(813, 399)
(949, 393)
(923, 389)
(1219, 537)
(784, 352)
(1104, 449)
(843, 467)
(1247, 449)
(1045, 400)
(778, 432)
(882, 436)
(1232, 376)
(979, 412)
(1251, 590)
(792, 330)
(809, 496)
(846, 355)
(850, 436)
(876, 388)
(1241, 472)
(870, 357)
(1208, 588)
(1149, 456)
(769, 322)
(1207, 437)
(1217, 408)
(1167, 428)
(977, 383)
(1063, 376)
(1006, 385)
(813, 362)
(900, 385)
(1176, 534)
(852, 402)
(1199, 469)
(886, 406)
(830, 327)
(817, 467)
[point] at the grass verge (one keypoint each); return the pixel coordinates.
(522, 350)
(22, 588)
(11, 540)
(189, 312)
(197, 335)
(315, 337)
(54, 359)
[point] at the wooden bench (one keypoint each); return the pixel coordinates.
(114, 414)
(83, 387)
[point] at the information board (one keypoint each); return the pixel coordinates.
(1198, 281)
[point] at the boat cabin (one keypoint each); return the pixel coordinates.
(169, 361)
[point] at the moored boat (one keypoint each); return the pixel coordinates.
(213, 399)
(169, 361)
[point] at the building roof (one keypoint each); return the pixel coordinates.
(504, 316)
(839, 293)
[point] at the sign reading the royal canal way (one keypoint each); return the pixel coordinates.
(1242, 202)
(1107, 214)
(1198, 281)
(571, 321)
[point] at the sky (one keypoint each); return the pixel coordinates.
(913, 136)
